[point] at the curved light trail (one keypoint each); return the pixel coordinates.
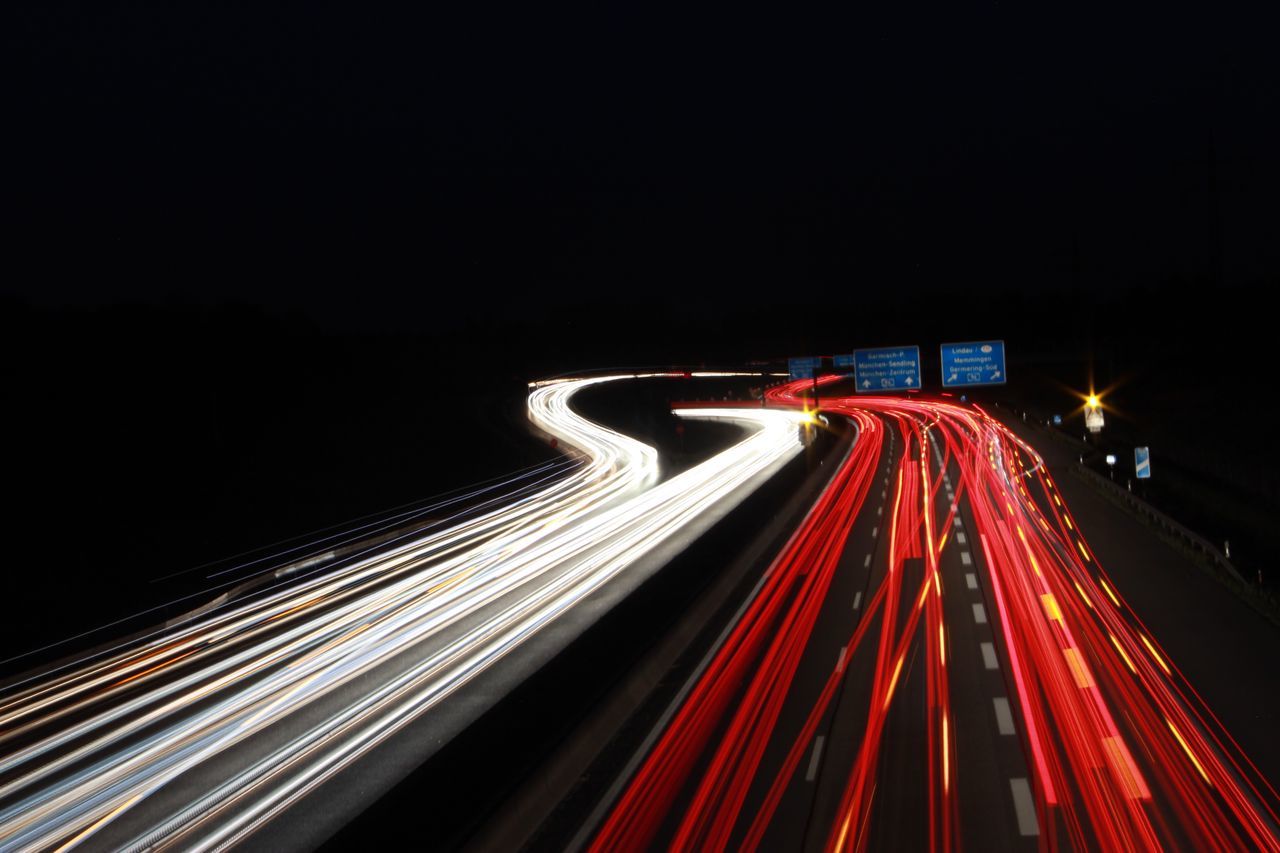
(1123, 754)
(85, 746)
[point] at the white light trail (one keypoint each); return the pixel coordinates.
(459, 598)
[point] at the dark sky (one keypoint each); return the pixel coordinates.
(363, 167)
(190, 189)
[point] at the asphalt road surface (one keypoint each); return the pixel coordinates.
(939, 658)
(203, 733)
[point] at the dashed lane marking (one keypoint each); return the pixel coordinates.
(817, 754)
(1025, 807)
(1004, 715)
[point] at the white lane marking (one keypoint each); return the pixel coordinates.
(1025, 807)
(979, 614)
(971, 580)
(857, 600)
(957, 523)
(866, 562)
(840, 663)
(817, 753)
(879, 510)
(1004, 716)
(966, 558)
(988, 656)
(960, 539)
(875, 531)
(884, 493)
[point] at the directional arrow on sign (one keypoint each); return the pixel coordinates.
(866, 383)
(973, 363)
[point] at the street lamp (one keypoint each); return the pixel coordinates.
(1093, 419)
(1111, 464)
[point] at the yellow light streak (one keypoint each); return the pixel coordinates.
(1120, 649)
(1187, 749)
(1051, 609)
(893, 682)
(1079, 669)
(1151, 648)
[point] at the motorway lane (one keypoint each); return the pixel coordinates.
(817, 753)
(1233, 667)
(713, 744)
(650, 659)
(99, 705)
(1223, 678)
(986, 759)
(234, 648)
(990, 760)
(1175, 777)
(826, 652)
(340, 659)
(1088, 737)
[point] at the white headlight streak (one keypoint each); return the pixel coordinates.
(89, 743)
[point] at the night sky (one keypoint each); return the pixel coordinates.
(373, 170)
(269, 267)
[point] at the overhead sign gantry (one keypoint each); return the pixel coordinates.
(886, 369)
(973, 363)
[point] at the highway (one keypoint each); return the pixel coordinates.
(198, 736)
(937, 659)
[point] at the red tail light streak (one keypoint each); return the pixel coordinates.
(1120, 751)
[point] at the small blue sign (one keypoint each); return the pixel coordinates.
(844, 360)
(1142, 462)
(1057, 420)
(803, 368)
(973, 363)
(886, 369)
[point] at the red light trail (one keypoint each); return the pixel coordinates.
(1120, 750)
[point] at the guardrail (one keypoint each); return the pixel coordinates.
(1168, 525)
(1264, 600)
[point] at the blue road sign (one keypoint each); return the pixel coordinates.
(803, 368)
(886, 369)
(1057, 420)
(844, 360)
(1142, 462)
(973, 363)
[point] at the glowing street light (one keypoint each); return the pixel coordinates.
(1093, 413)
